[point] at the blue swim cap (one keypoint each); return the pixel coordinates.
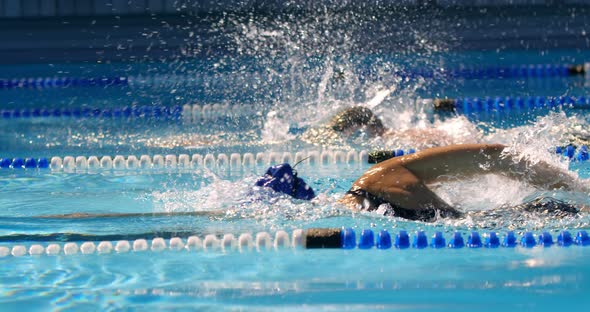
(282, 178)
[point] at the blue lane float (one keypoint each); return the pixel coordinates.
(383, 240)
(582, 238)
(492, 240)
(509, 240)
(565, 239)
(345, 238)
(456, 241)
(545, 239)
(367, 239)
(402, 240)
(26, 163)
(528, 240)
(420, 241)
(438, 240)
(348, 238)
(474, 240)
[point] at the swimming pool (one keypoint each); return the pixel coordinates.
(263, 107)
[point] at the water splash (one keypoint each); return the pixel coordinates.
(485, 192)
(533, 142)
(421, 134)
(325, 60)
(303, 69)
(276, 129)
(380, 97)
(241, 200)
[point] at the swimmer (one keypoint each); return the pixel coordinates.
(361, 119)
(398, 186)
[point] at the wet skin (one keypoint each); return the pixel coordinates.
(402, 181)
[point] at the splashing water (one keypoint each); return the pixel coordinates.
(485, 192)
(420, 134)
(300, 70)
(240, 199)
(318, 63)
(276, 129)
(380, 97)
(533, 142)
(488, 199)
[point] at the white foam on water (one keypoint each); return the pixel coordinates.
(241, 199)
(276, 129)
(535, 141)
(456, 130)
(484, 192)
(214, 194)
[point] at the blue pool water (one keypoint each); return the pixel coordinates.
(287, 279)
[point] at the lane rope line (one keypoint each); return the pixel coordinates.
(332, 238)
(464, 71)
(222, 161)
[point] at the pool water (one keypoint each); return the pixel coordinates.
(288, 279)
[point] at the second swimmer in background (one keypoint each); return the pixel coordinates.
(343, 126)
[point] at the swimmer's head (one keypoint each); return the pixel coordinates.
(355, 118)
(283, 178)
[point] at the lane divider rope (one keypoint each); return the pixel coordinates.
(118, 81)
(198, 112)
(184, 161)
(461, 72)
(186, 113)
(81, 164)
(61, 82)
(333, 238)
